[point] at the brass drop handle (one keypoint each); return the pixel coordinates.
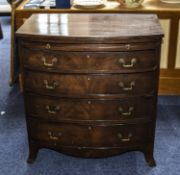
(48, 46)
(125, 65)
(130, 88)
(52, 110)
(125, 139)
(128, 113)
(54, 136)
(45, 63)
(51, 87)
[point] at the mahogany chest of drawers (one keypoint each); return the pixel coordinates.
(90, 82)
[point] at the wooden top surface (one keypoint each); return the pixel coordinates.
(97, 26)
(114, 6)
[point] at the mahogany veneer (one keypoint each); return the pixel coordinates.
(90, 92)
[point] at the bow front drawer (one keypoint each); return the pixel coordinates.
(89, 62)
(90, 85)
(90, 135)
(59, 109)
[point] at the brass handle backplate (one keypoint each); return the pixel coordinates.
(51, 87)
(125, 65)
(52, 110)
(130, 88)
(45, 63)
(54, 136)
(128, 113)
(128, 46)
(125, 139)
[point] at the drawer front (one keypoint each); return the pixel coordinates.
(58, 109)
(87, 85)
(89, 135)
(91, 62)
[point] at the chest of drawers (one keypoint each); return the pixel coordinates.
(90, 83)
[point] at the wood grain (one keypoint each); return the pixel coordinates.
(92, 26)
